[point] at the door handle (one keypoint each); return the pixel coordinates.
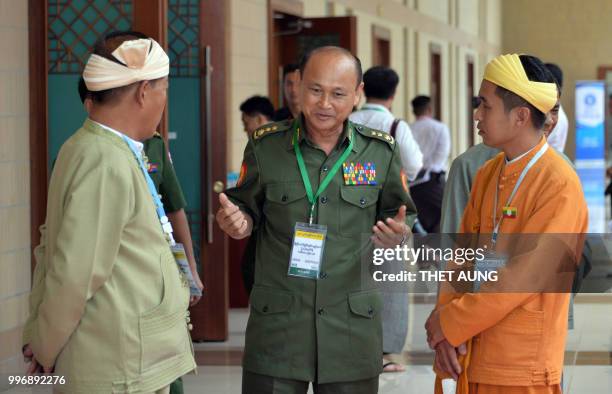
(210, 217)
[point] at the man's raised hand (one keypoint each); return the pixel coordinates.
(232, 220)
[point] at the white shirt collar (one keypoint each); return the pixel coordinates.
(374, 107)
(519, 157)
(139, 145)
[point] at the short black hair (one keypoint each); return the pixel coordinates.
(556, 72)
(289, 68)
(257, 105)
(83, 91)
(536, 71)
(380, 82)
(346, 52)
(105, 47)
(420, 105)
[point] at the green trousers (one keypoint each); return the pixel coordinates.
(253, 383)
(177, 386)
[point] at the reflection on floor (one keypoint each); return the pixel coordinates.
(588, 359)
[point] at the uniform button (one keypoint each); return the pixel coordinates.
(284, 198)
(188, 320)
(362, 201)
(323, 275)
(321, 311)
(323, 200)
(325, 168)
(265, 309)
(370, 311)
(190, 327)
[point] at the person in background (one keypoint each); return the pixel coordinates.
(380, 84)
(558, 135)
(433, 138)
(291, 86)
(256, 112)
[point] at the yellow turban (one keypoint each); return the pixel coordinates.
(142, 60)
(508, 72)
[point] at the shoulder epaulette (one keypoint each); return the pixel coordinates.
(377, 134)
(271, 128)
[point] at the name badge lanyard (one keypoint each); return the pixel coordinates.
(377, 109)
(312, 197)
(497, 225)
(159, 206)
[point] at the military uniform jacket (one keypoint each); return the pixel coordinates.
(108, 305)
(162, 173)
(325, 330)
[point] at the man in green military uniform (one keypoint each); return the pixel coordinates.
(311, 320)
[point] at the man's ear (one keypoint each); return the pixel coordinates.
(358, 94)
(522, 116)
(142, 91)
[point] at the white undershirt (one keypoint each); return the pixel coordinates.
(139, 145)
(519, 157)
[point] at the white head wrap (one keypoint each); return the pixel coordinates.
(143, 60)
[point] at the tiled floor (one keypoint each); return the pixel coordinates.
(588, 355)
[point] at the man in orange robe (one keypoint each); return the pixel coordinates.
(515, 340)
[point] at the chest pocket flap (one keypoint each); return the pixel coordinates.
(360, 196)
(285, 193)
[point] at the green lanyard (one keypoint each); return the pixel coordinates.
(312, 198)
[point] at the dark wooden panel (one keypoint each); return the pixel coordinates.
(210, 316)
(37, 37)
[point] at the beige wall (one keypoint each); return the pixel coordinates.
(248, 68)
(14, 181)
(576, 36)
(458, 27)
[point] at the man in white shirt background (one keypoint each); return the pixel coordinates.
(379, 87)
(433, 138)
(380, 84)
(558, 136)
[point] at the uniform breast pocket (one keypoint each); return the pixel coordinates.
(285, 204)
(358, 210)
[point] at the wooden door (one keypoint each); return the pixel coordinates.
(292, 37)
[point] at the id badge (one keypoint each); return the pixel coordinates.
(491, 263)
(307, 250)
(178, 251)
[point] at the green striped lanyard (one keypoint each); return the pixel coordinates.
(367, 107)
(312, 197)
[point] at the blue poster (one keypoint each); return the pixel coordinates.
(590, 149)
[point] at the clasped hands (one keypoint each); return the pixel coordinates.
(446, 354)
